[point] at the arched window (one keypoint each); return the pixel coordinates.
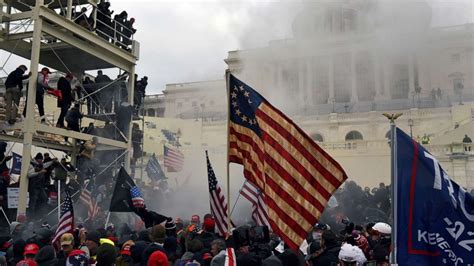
(354, 135)
(151, 112)
(317, 137)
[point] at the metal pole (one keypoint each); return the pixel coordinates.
(131, 91)
(94, 18)
(227, 75)
(29, 125)
(143, 139)
(4, 214)
(69, 9)
(107, 220)
(393, 173)
(59, 199)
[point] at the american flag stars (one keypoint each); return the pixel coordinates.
(235, 104)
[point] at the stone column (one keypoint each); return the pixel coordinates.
(301, 80)
(411, 76)
(309, 81)
(387, 80)
(354, 96)
(331, 98)
(377, 83)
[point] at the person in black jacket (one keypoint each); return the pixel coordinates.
(92, 100)
(64, 85)
(330, 253)
(73, 118)
(128, 31)
(13, 86)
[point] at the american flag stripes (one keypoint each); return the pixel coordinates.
(217, 200)
(66, 220)
(295, 175)
(230, 258)
(173, 159)
(88, 199)
(259, 208)
(137, 199)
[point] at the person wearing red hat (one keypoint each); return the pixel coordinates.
(41, 86)
(158, 258)
(208, 233)
(128, 31)
(29, 255)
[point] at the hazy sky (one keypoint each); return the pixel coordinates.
(188, 40)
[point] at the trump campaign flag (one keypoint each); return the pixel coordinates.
(16, 164)
(435, 216)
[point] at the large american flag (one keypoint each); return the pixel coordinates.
(66, 220)
(173, 159)
(295, 175)
(89, 200)
(217, 200)
(259, 208)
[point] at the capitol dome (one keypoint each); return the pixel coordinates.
(327, 17)
(347, 16)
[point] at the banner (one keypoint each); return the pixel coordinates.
(435, 216)
(13, 195)
(16, 164)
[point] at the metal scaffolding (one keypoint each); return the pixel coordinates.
(74, 49)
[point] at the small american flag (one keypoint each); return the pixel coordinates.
(259, 208)
(137, 199)
(173, 159)
(230, 258)
(66, 220)
(217, 200)
(89, 200)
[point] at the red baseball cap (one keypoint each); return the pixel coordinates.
(31, 249)
(158, 258)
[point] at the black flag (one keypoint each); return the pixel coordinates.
(122, 197)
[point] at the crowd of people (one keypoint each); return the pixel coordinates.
(117, 30)
(166, 241)
(348, 233)
(102, 95)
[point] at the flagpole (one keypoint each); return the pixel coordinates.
(59, 199)
(107, 220)
(227, 77)
(393, 174)
(237, 199)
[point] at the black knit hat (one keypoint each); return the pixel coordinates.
(170, 224)
(39, 155)
(93, 236)
(106, 255)
(46, 256)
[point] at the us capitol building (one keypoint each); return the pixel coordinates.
(335, 77)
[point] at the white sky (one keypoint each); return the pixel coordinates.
(188, 40)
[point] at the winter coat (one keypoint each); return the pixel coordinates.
(15, 79)
(65, 87)
(329, 257)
